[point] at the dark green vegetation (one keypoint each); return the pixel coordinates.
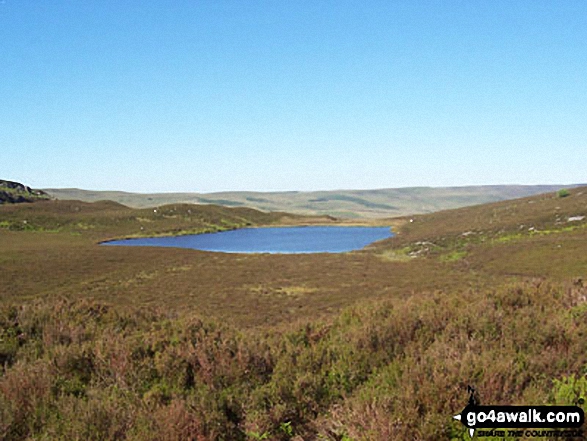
(15, 192)
(342, 203)
(138, 343)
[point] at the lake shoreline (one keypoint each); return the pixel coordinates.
(392, 223)
(300, 239)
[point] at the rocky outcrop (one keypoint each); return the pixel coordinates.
(15, 192)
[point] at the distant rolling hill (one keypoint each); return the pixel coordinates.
(344, 203)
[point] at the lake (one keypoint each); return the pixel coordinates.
(285, 240)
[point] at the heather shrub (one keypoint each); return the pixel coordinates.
(377, 371)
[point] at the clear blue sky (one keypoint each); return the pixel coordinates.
(217, 95)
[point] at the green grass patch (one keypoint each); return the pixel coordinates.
(453, 256)
(26, 226)
(401, 255)
(563, 193)
(505, 238)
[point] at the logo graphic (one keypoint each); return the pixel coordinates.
(475, 416)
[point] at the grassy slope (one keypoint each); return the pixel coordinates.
(59, 240)
(106, 219)
(343, 203)
(490, 295)
(520, 237)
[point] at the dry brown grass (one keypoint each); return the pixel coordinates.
(108, 342)
(448, 251)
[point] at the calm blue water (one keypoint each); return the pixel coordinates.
(286, 240)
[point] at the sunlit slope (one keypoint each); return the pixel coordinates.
(555, 210)
(343, 203)
(107, 219)
(483, 246)
(538, 236)
(142, 343)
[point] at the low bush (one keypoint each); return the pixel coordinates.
(377, 371)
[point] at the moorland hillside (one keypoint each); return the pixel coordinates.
(136, 343)
(354, 204)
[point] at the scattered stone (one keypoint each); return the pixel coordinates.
(575, 218)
